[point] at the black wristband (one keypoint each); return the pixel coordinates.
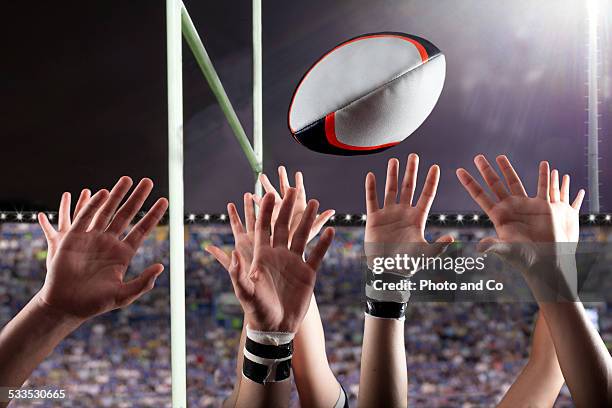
(385, 310)
(259, 373)
(265, 363)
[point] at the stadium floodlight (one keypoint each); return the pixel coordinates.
(206, 217)
(459, 217)
(178, 24)
(593, 106)
(363, 217)
(347, 217)
(592, 217)
(475, 217)
(222, 217)
(442, 217)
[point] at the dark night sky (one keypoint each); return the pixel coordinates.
(84, 94)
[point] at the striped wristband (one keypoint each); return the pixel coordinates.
(267, 356)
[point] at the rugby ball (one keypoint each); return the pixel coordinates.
(367, 94)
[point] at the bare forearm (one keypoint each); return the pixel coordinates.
(230, 401)
(270, 395)
(316, 384)
(541, 379)
(384, 375)
(28, 339)
(584, 359)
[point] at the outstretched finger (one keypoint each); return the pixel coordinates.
(268, 187)
(219, 255)
(319, 251)
(490, 176)
(46, 226)
(302, 233)
(81, 202)
(370, 193)
(429, 189)
(319, 222)
(280, 235)
(263, 223)
(144, 227)
(63, 216)
(235, 221)
(106, 213)
(475, 190)
(391, 182)
(578, 200)
(410, 179)
(130, 208)
(554, 193)
(299, 184)
(283, 180)
(565, 189)
(512, 179)
(249, 212)
(130, 291)
(544, 181)
(83, 220)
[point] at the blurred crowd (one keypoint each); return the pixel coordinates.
(459, 353)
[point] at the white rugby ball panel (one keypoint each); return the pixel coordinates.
(367, 94)
(394, 111)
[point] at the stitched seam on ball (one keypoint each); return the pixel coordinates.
(384, 85)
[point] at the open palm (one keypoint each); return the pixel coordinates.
(86, 273)
(275, 290)
(399, 227)
(244, 235)
(520, 220)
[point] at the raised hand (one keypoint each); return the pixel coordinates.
(244, 237)
(85, 276)
(300, 202)
(399, 227)
(276, 290)
(525, 222)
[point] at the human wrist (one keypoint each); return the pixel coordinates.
(386, 293)
(257, 322)
(53, 316)
(267, 356)
(553, 278)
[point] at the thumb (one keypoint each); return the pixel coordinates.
(219, 255)
(492, 245)
(442, 244)
(237, 276)
(135, 288)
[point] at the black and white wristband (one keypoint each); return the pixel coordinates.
(385, 310)
(385, 303)
(267, 356)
